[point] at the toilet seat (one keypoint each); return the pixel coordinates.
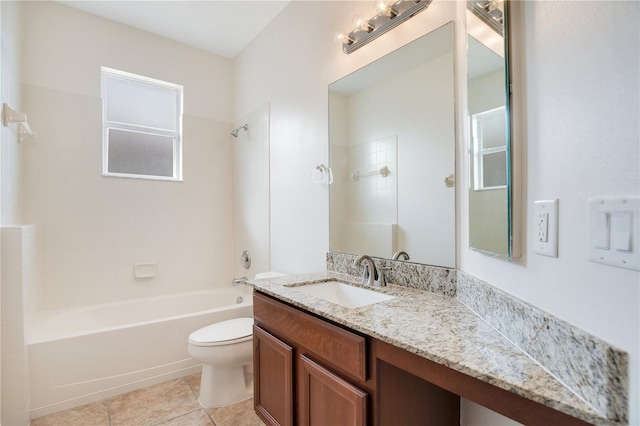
(223, 333)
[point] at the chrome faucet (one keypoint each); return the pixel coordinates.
(370, 275)
(397, 255)
(239, 280)
(382, 280)
(369, 272)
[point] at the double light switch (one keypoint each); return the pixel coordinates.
(615, 231)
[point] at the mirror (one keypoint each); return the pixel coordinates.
(392, 152)
(489, 142)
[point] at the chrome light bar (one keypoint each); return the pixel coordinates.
(392, 16)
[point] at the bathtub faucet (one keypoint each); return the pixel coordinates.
(239, 280)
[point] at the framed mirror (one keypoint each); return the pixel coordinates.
(488, 100)
(392, 152)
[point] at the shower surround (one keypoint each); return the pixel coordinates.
(96, 228)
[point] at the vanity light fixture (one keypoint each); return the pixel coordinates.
(361, 24)
(491, 12)
(392, 14)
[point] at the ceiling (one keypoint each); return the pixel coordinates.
(222, 27)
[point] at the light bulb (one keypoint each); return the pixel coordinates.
(385, 7)
(493, 6)
(362, 24)
(342, 38)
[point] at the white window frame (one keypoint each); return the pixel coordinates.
(480, 151)
(176, 134)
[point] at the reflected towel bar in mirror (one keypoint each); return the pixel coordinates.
(384, 172)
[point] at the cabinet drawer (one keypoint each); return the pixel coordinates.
(342, 349)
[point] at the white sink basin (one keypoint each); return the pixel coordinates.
(343, 294)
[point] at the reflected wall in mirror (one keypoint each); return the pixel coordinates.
(392, 152)
(489, 213)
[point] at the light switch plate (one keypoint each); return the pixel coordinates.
(621, 247)
(546, 236)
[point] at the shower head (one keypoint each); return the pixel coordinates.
(234, 132)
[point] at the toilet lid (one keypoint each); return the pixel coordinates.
(224, 331)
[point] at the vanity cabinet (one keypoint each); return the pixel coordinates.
(273, 378)
(309, 371)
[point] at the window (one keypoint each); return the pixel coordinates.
(490, 150)
(141, 127)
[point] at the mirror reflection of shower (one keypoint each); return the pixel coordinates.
(234, 133)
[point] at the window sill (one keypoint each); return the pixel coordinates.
(142, 177)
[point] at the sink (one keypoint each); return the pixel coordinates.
(343, 294)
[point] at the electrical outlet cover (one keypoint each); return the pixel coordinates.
(546, 235)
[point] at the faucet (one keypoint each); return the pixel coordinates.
(369, 272)
(239, 280)
(370, 275)
(397, 255)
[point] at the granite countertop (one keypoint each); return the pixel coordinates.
(441, 329)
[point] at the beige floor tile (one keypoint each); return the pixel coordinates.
(194, 383)
(152, 405)
(93, 414)
(194, 418)
(240, 414)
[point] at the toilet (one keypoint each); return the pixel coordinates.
(225, 350)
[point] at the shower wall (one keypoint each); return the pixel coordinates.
(13, 381)
(96, 228)
(10, 150)
(251, 193)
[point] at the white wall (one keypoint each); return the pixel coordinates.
(290, 65)
(251, 193)
(581, 140)
(10, 179)
(11, 150)
(96, 228)
(581, 68)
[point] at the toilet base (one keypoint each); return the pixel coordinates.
(223, 386)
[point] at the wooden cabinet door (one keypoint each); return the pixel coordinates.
(328, 400)
(272, 379)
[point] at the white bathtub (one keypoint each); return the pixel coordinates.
(87, 354)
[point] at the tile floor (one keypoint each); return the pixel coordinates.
(172, 403)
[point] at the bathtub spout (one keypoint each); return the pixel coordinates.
(239, 280)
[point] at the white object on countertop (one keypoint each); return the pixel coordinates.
(269, 274)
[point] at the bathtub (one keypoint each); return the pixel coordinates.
(87, 354)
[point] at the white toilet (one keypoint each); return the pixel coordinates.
(226, 352)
